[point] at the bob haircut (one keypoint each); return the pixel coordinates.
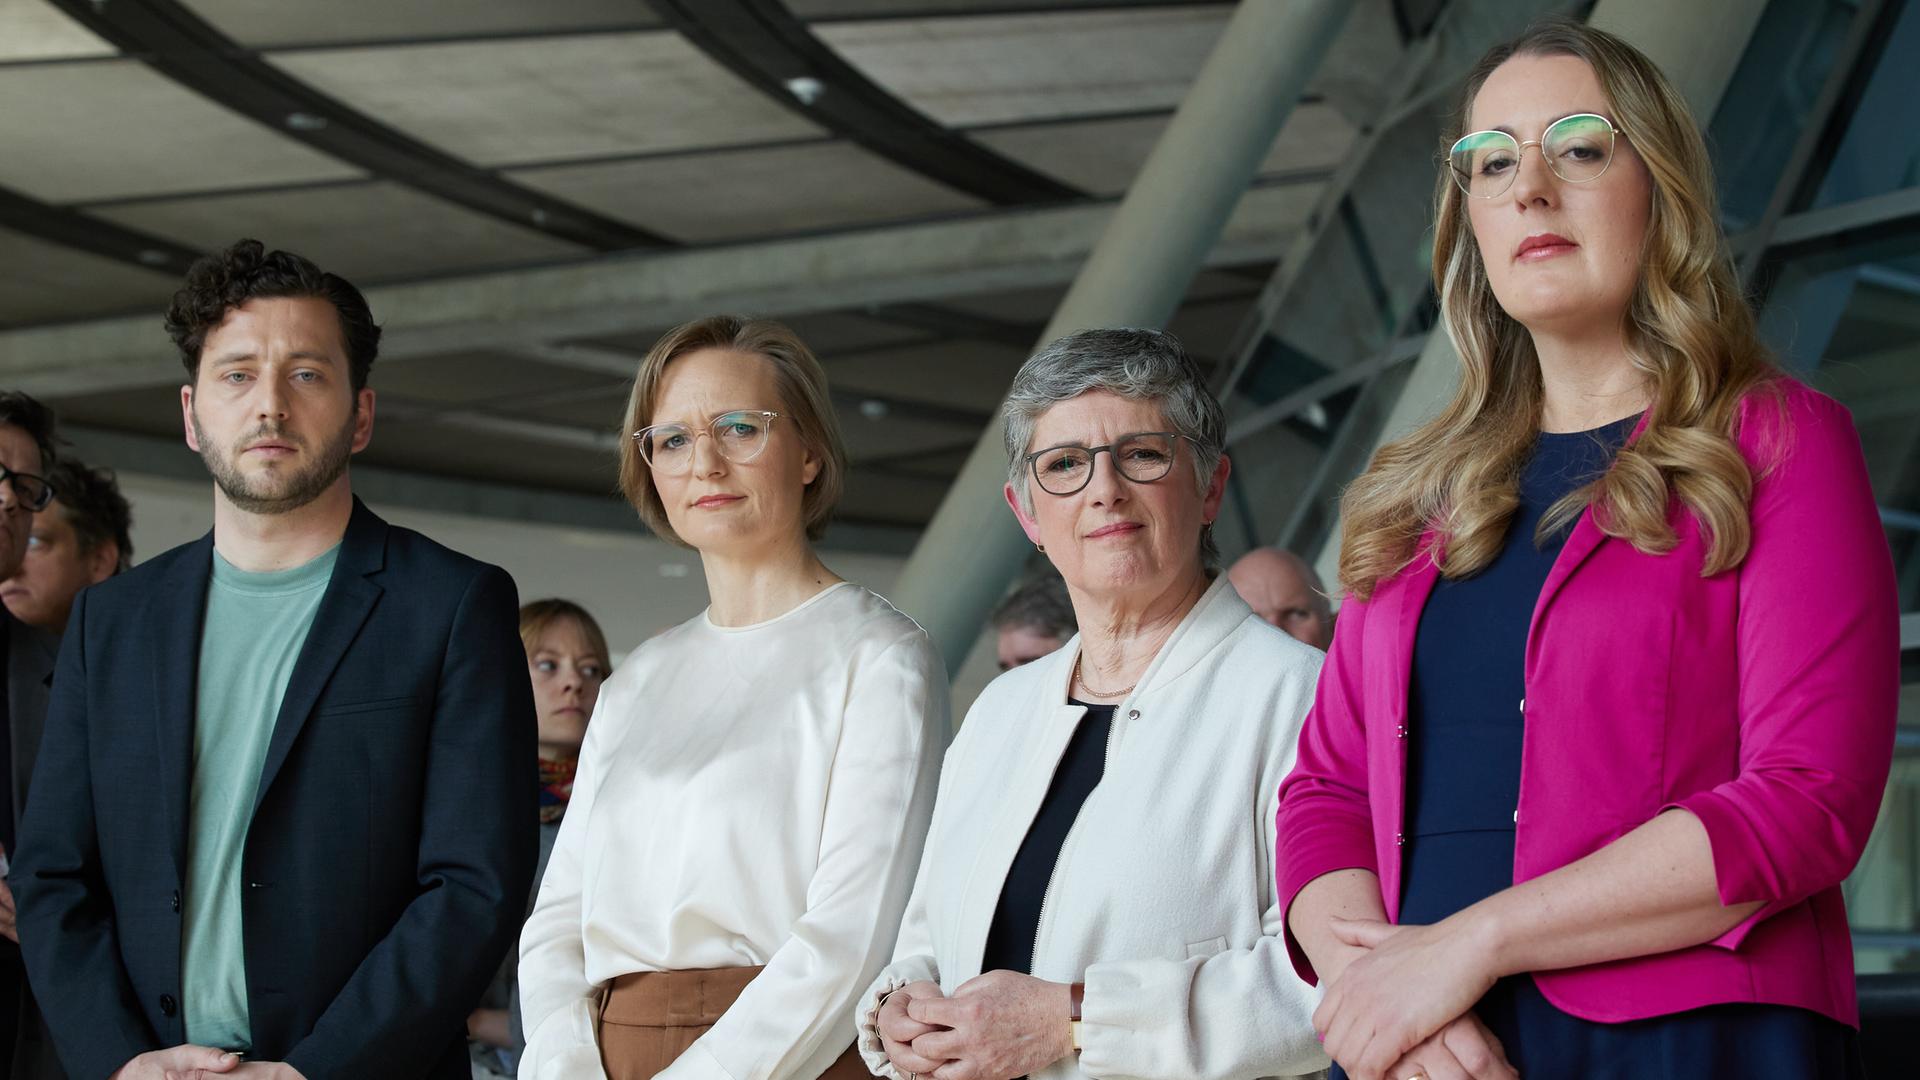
(804, 402)
(536, 616)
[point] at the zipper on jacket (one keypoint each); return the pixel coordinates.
(1106, 770)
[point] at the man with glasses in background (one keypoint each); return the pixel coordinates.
(26, 456)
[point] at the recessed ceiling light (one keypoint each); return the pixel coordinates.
(154, 257)
(806, 89)
(874, 409)
(306, 121)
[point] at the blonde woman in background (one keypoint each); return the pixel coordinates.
(1609, 710)
(755, 786)
(567, 660)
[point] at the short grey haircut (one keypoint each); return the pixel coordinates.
(1147, 365)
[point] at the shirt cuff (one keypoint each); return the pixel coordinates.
(866, 1016)
(564, 1046)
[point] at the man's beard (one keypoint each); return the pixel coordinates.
(274, 493)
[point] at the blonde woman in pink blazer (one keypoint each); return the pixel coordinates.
(1609, 712)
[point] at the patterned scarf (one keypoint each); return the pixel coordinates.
(556, 787)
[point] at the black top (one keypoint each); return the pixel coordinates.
(1010, 938)
(1463, 784)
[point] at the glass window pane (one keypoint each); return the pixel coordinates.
(1880, 151)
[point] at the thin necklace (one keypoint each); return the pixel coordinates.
(1096, 691)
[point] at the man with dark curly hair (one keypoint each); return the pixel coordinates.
(296, 756)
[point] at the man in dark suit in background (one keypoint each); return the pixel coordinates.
(26, 458)
(296, 757)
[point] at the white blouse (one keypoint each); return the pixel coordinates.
(746, 795)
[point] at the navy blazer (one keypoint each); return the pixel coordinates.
(390, 854)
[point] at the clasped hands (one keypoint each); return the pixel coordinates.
(1404, 1009)
(201, 1063)
(998, 1025)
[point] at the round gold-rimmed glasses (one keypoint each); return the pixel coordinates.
(738, 436)
(1577, 148)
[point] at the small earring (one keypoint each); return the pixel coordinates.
(1041, 548)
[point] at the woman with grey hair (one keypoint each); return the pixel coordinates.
(1097, 894)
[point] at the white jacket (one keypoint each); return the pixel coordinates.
(1163, 898)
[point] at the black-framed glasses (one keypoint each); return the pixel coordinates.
(738, 436)
(1577, 148)
(32, 492)
(1142, 457)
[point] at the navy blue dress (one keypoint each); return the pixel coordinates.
(1463, 785)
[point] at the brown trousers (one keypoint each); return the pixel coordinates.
(649, 1018)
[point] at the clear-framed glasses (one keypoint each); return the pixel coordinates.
(738, 436)
(1577, 148)
(30, 491)
(1142, 457)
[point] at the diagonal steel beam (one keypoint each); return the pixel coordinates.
(83, 232)
(770, 47)
(175, 42)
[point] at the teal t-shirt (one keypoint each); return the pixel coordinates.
(256, 624)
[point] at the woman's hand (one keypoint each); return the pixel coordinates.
(996, 1026)
(1463, 1050)
(898, 1030)
(1413, 982)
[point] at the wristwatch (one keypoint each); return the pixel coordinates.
(1076, 995)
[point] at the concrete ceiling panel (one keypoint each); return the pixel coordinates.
(551, 99)
(365, 232)
(871, 438)
(827, 333)
(958, 374)
(263, 26)
(470, 378)
(885, 9)
(36, 30)
(422, 445)
(1103, 156)
(969, 71)
(882, 497)
(148, 410)
(741, 194)
(43, 283)
(82, 132)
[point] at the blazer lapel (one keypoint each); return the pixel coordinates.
(349, 599)
(1412, 596)
(1586, 537)
(175, 613)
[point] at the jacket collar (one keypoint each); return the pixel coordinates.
(1217, 614)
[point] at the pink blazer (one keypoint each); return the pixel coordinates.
(1761, 699)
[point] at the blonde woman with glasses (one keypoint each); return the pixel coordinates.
(754, 789)
(1609, 709)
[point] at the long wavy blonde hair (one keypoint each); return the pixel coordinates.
(1689, 331)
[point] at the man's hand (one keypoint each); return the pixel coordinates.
(178, 1063)
(8, 927)
(246, 1070)
(998, 1025)
(898, 1030)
